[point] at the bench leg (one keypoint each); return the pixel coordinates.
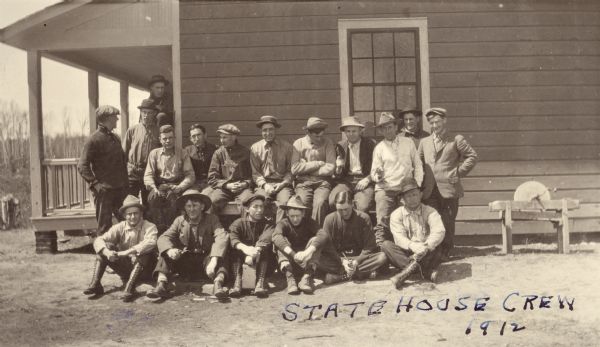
(507, 230)
(564, 229)
(46, 242)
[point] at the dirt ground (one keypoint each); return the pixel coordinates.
(41, 304)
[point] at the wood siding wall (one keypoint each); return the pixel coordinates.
(521, 80)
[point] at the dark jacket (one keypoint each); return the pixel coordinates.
(287, 235)
(201, 159)
(367, 145)
(354, 236)
(250, 233)
(416, 137)
(230, 164)
(215, 240)
(103, 160)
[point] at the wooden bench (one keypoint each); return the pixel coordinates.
(554, 211)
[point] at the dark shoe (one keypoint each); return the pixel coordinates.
(129, 291)
(260, 290)
(218, 290)
(307, 284)
(331, 278)
(236, 291)
(399, 279)
(292, 287)
(95, 287)
(158, 292)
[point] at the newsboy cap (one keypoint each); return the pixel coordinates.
(315, 123)
(158, 78)
(249, 199)
(228, 129)
(268, 119)
(104, 111)
(435, 111)
(147, 104)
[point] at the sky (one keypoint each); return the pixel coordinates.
(64, 89)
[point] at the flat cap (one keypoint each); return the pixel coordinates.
(228, 129)
(315, 123)
(435, 111)
(248, 200)
(268, 119)
(106, 110)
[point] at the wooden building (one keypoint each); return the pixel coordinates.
(520, 79)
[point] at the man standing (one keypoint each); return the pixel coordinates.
(229, 174)
(162, 99)
(395, 159)
(293, 235)
(128, 248)
(412, 126)
(200, 153)
(195, 245)
(271, 161)
(357, 157)
(103, 166)
(418, 231)
(140, 139)
(251, 244)
(447, 158)
(169, 173)
(313, 162)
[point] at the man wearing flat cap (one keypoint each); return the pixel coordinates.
(168, 174)
(412, 126)
(200, 153)
(229, 174)
(103, 165)
(356, 154)
(161, 99)
(194, 246)
(395, 159)
(447, 158)
(140, 139)
(313, 163)
(271, 161)
(128, 247)
(251, 243)
(417, 231)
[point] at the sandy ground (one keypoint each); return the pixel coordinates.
(41, 304)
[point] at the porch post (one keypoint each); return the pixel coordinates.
(92, 98)
(176, 65)
(124, 95)
(36, 133)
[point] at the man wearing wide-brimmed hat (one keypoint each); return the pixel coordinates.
(417, 231)
(356, 155)
(447, 158)
(395, 158)
(103, 165)
(313, 163)
(412, 128)
(194, 246)
(128, 247)
(250, 238)
(140, 139)
(168, 174)
(229, 174)
(161, 99)
(271, 161)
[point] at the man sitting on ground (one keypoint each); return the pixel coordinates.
(128, 247)
(195, 245)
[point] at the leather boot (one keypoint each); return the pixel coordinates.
(236, 291)
(129, 291)
(292, 287)
(159, 292)
(95, 287)
(399, 279)
(218, 290)
(307, 282)
(260, 290)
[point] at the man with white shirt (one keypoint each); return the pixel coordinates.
(395, 159)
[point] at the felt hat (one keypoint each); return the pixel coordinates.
(268, 119)
(408, 184)
(416, 112)
(193, 193)
(228, 129)
(158, 78)
(147, 104)
(249, 199)
(435, 111)
(294, 202)
(386, 118)
(351, 122)
(315, 123)
(130, 201)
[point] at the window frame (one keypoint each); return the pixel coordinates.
(348, 26)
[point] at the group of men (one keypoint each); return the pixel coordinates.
(306, 205)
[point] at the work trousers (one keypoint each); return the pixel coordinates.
(190, 265)
(386, 201)
(315, 195)
(124, 265)
(275, 200)
(107, 204)
(448, 209)
(400, 258)
(220, 197)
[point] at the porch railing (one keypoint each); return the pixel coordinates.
(65, 189)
